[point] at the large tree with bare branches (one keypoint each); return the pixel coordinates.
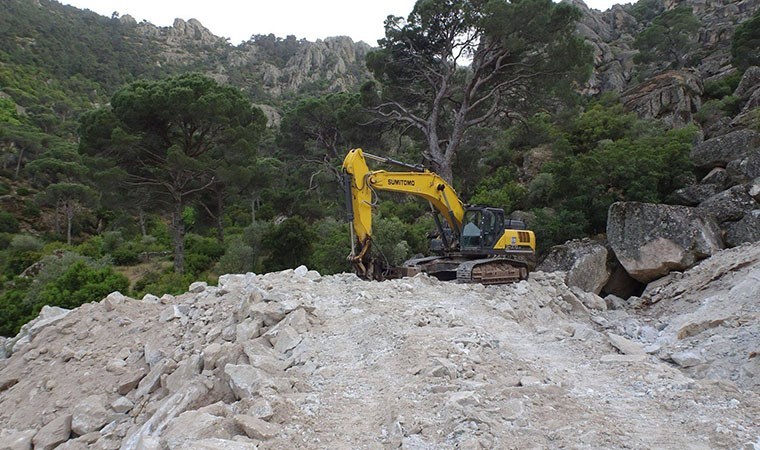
(163, 135)
(520, 53)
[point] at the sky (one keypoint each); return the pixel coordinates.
(238, 20)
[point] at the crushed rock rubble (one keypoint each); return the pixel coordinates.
(293, 360)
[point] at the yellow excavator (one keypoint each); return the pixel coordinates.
(474, 244)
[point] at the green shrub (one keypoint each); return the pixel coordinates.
(238, 258)
(15, 262)
(637, 168)
(709, 112)
(331, 248)
(600, 122)
(556, 227)
(158, 283)
(288, 244)
(160, 231)
(731, 105)
(127, 254)
(80, 284)
(5, 240)
(8, 223)
(201, 253)
(4, 189)
(499, 190)
(404, 207)
(54, 266)
(111, 240)
(66, 280)
(14, 312)
(535, 131)
(91, 247)
(26, 243)
(540, 190)
(389, 240)
(717, 89)
(31, 210)
(23, 192)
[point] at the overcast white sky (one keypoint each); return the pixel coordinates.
(238, 20)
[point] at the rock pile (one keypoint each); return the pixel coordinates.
(297, 360)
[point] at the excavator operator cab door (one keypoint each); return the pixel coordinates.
(482, 228)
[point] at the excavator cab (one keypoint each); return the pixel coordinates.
(482, 228)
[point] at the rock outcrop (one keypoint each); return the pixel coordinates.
(336, 62)
(652, 240)
(730, 191)
(673, 97)
(722, 150)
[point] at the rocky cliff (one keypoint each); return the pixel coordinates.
(670, 96)
(266, 66)
(611, 33)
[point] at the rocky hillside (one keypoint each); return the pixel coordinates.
(102, 54)
(612, 32)
(297, 360)
(673, 96)
(265, 65)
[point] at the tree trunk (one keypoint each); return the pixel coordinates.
(141, 221)
(69, 209)
(220, 217)
(178, 230)
(18, 163)
(57, 218)
(254, 204)
(442, 167)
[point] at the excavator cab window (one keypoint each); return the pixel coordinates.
(482, 228)
(493, 226)
(471, 235)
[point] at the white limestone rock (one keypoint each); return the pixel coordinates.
(53, 433)
(256, 428)
(625, 346)
(90, 414)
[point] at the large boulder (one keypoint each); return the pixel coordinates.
(651, 240)
(716, 181)
(731, 204)
(745, 169)
(584, 261)
(719, 151)
(747, 229)
(695, 194)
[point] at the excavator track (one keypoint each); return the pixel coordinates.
(492, 271)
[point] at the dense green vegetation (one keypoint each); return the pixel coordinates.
(119, 173)
(669, 39)
(745, 43)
